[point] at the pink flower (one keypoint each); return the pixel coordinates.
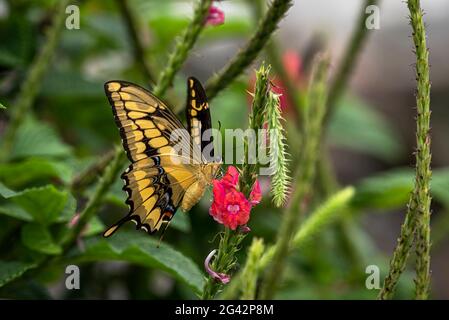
(230, 207)
(221, 277)
(215, 17)
(292, 64)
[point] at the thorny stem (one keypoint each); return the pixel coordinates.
(33, 81)
(247, 55)
(183, 47)
(132, 26)
(229, 243)
(350, 57)
(314, 114)
(418, 214)
(256, 121)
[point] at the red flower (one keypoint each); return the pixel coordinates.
(215, 17)
(230, 207)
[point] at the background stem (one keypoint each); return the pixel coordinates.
(33, 81)
(247, 55)
(312, 130)
(418, 213)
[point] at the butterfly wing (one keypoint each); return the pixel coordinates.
(198, 119)
(157, 178)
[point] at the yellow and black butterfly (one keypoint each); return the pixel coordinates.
(160, 179)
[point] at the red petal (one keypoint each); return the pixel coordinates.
(255, 195)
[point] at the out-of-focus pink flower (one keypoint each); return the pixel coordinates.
(221, 277)
(215, 17)
(74, 221)
(292, 64)
(230, 207)
(245, 229)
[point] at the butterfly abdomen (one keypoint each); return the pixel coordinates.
(193, 195)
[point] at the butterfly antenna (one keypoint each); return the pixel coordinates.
(163, 233)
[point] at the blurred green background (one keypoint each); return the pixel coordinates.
(370, 140)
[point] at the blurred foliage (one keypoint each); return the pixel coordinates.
(71, 127)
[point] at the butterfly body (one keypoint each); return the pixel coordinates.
(160, 179)
(195, 192)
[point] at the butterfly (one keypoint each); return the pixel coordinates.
(160, 177)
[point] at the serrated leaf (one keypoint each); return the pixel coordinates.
(374, 135)
(45, 204)
(38, 139)
(5, 192)
(10, 270)
(18, 174)
(142, 250)
(38, 238)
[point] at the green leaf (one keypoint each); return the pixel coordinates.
(375, 136)
(2, 106)
(18, 174)
(440, 186)
(140, 249)
(391, 189)
(10, 270)
(5, 192)
(38, 238)
(38, 139)
(45, 204)
(95, 226)
(181, 221)
(69, 209)
(14, 211)
(384, 191)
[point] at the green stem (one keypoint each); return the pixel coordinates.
(256, 122)
(111, 172)
(31, 85)
(418, 214)
(250, 271)
(131, 22)
(292, 91)
(247, 55)
(350, 58)
(87, 176)
(224, 262)
(314, 114)
(183, 47)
